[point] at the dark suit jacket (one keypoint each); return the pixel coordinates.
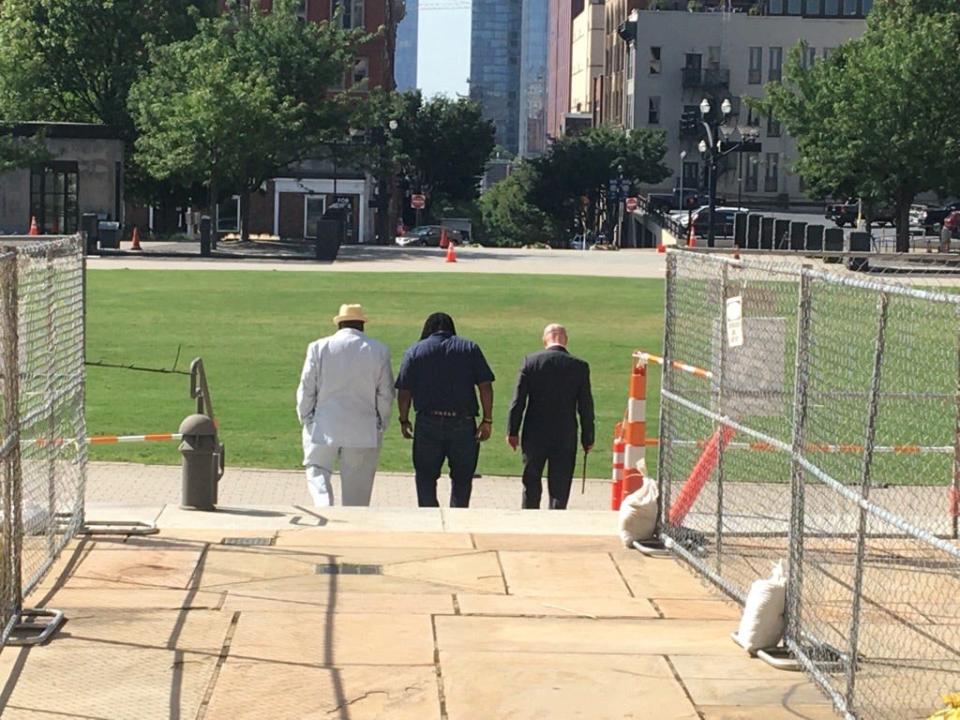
(552, 388)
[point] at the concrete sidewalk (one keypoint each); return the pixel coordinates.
(357, 614)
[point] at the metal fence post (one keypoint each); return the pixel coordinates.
(663, 447)
(718, 405)
(955, 491)
(797, 481)
(883, 302)
(52, 417)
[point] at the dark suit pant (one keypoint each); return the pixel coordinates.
(436, 439)
(560, 461)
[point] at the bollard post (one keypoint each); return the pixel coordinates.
(202, 463)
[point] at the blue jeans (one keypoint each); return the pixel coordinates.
(453, 439)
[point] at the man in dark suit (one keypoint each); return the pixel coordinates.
(552, 389)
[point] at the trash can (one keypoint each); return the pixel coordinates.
(833, 241)
(858, 241)
(90, 227)
(109, 231)
(814, 238)
(798, 235)
(202, 463)
(766, 233)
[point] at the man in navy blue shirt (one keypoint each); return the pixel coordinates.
(440, 376)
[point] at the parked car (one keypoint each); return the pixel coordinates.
(723, 226)
(427, 235)
(846, 214)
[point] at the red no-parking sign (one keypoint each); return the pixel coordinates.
(418, 202)
(631, 203)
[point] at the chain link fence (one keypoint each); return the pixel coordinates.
(44, 437)
(826, 435)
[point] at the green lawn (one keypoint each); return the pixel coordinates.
(252, 328)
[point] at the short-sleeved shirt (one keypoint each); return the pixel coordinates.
(442, 372)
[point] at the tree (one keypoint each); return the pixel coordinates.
(871, 121)
(75, 60)
(508, 217)
(570, 182)
(21, 152)
(241, 100)
(444, 146)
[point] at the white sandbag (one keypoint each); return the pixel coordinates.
(638, 513)
(763, 620)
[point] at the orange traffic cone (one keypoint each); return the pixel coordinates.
(661, 248)
(34, 229)
(135, 239)
(691, 237)
(451, 253)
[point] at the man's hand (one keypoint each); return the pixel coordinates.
(406, 429)
(588, 448)
(513, 441)
(483, 431)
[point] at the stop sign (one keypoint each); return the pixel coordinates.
(631, 204)
(418, 202)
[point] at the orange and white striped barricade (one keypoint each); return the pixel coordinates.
(635, 428)
(616, 486)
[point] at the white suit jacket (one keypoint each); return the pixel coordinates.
(346, 391)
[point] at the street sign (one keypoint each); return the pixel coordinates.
(418, 202)
(631, 204)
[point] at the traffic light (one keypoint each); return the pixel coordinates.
(688, 121)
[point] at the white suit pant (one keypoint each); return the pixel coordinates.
(358, 466)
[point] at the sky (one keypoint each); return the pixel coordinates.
(443, 51)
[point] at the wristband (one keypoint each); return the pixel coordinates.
(486, 421)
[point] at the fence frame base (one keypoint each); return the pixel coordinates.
(45, 630)
(117, 527)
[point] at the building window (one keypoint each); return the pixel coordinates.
(814, 7)
(773, 126)
(713, 57)
(850, 7)
(691, 174)
(655, 61)
(653, 111)
(228, 215)
(807, 57)
(775, 7)
(752, 172)
(361, 70)
(793, 7)
(302, 9)
(771, 178)
(54, 191)
(352, 12)
(827, 52)
(776, 64)
(867, 6)
(832, 7)
(756, 66)
(630, 61)
(753, 117)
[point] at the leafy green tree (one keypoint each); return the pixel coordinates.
(241, 100)
(570, 182)
(75, 60)
(872, 121)
(508, 216)
(20, 152)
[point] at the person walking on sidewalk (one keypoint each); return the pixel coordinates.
(552, 389)
(440, 376)
(344, 402)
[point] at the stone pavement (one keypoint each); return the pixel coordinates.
(362, 614)
(132, 484)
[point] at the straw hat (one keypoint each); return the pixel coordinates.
(350, 313)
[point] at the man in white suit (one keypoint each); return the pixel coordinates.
(344, 400)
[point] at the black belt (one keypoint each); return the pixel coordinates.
(445, 413)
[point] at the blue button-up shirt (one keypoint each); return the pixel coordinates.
(442, 372)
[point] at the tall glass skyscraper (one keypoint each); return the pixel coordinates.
(533, 78)
(495, 66)
(405, 59)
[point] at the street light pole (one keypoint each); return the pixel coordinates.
(680, 203)
(712, 146)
